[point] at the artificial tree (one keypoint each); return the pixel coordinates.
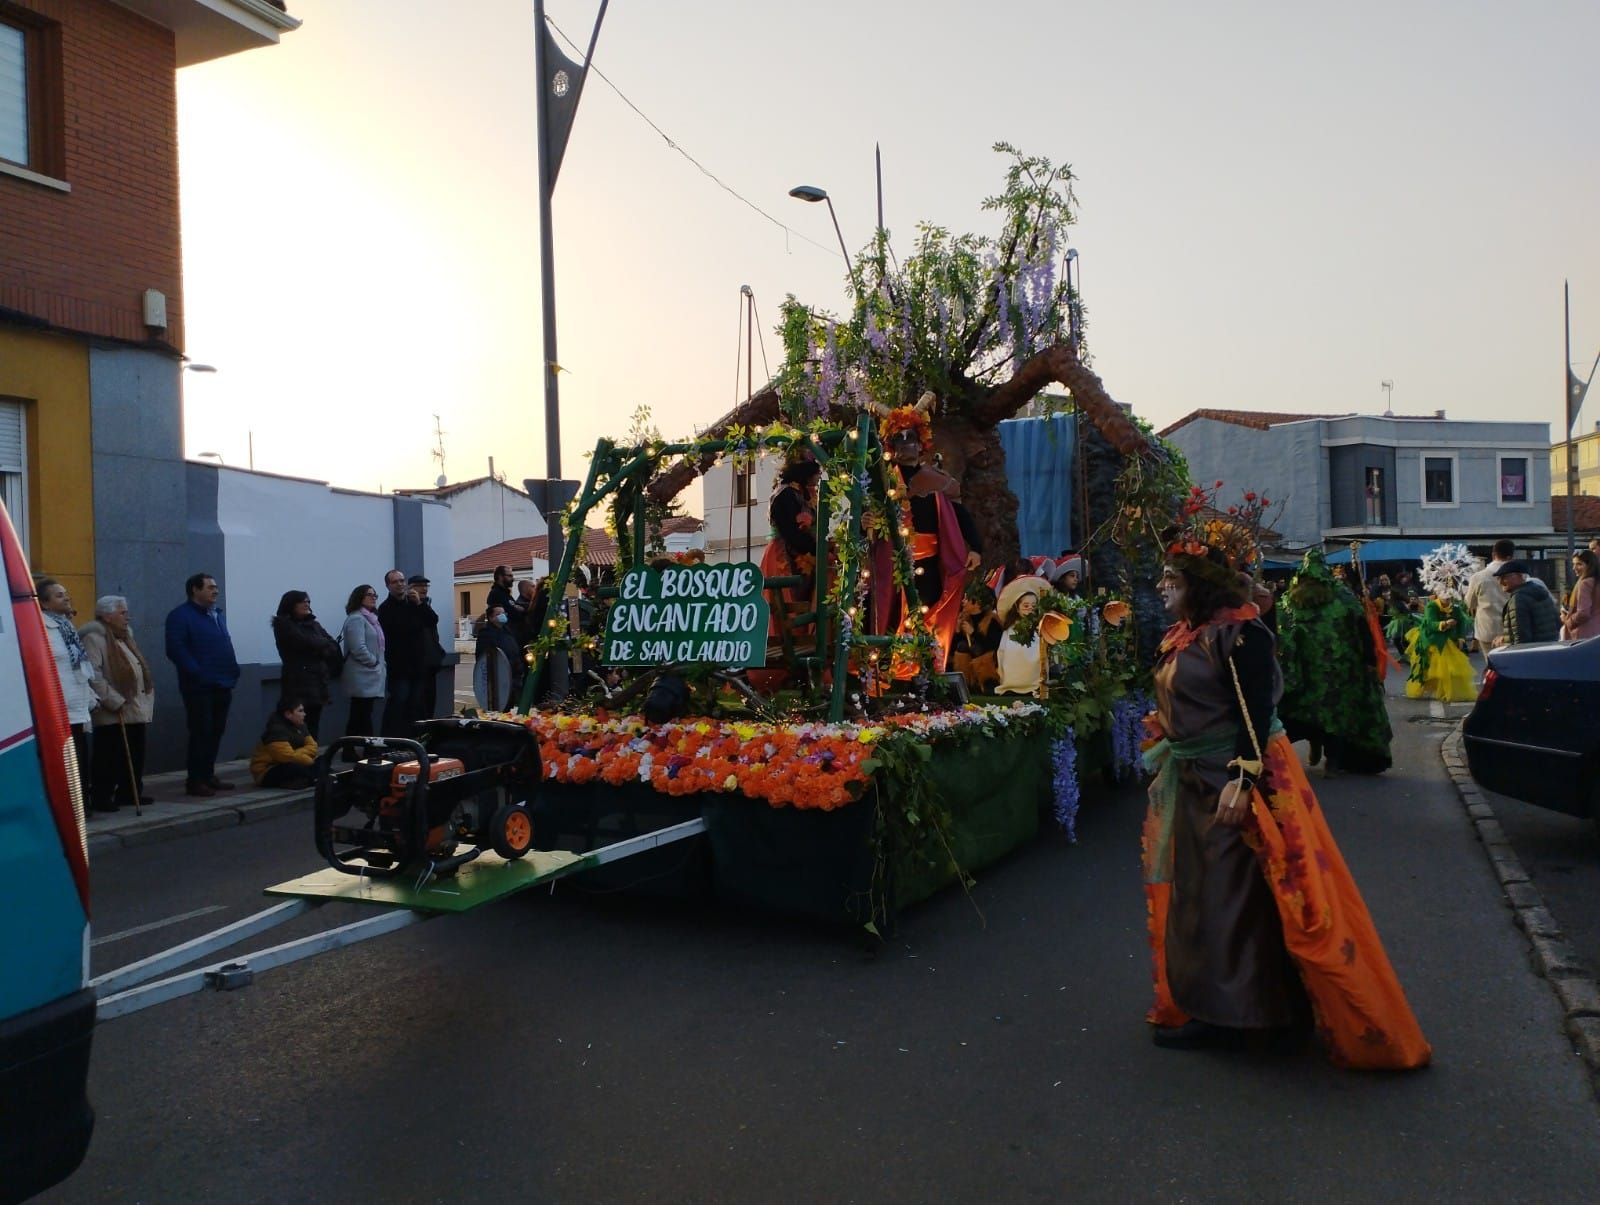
(986, 323)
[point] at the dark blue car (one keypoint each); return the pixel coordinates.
(1534, 733)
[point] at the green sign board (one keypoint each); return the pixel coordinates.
(715, 614)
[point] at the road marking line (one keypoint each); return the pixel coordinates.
(159, 924)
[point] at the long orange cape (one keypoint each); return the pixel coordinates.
(1362, 1014)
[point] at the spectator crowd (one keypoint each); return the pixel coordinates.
(386, 652)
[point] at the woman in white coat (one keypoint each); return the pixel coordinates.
(73, 667)
(364, 675)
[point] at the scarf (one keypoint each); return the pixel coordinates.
(1183, 633)
(372, 622)
(69, 635)
(119, 666)
(1163, 759)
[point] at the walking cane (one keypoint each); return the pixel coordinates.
(133, 779)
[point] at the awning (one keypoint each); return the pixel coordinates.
(1386, 550)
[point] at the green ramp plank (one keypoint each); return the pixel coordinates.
(487, 878)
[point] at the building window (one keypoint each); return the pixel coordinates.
(1438, 481)
(30, 91)
(1375, 494)
(466, 603)
(1514, 481)
(14, 467)
(13, 94)
(743, 484)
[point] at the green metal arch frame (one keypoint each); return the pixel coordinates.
(613, 467)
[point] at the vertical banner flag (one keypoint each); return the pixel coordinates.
(563, 85)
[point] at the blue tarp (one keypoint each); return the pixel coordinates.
(1386, 550)
(1039, 462)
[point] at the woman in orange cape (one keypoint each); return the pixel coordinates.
(1253, 915)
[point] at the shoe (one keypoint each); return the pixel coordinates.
(216, 784)
(1194, 1035)
(146, 800)
(106, 807)
(202, 789)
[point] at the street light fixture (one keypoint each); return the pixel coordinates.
(250, 436)
(1072, 307)
(811, 194)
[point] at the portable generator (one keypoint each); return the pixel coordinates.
(386, 816)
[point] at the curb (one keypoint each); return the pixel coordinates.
(1550, 954)
(202, 821)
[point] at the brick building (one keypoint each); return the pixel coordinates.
(91, 291)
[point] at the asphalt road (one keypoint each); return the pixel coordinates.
(1562, 857)
(577, 1048)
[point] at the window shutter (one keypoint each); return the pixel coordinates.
(13, 94)
(10, 437)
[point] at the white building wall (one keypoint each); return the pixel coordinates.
(270, 534)
(725, 538)
(283, 534)
(489, 513)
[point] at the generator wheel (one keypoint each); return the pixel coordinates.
(511, 831)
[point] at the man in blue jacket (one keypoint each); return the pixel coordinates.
(199, 645)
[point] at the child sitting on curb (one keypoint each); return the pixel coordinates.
(283, 759)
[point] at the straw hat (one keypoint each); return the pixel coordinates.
(1015, 589)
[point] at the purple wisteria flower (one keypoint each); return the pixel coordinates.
(1064, 783)
(828, 373)
(875, 336)
(1127, 731)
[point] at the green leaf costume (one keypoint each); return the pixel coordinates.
(1332, 695)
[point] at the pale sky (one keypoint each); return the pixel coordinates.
(1279, 208)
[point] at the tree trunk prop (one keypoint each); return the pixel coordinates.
(965, 434)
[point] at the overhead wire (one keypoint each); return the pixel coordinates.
(673, 143)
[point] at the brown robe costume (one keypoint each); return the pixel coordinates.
(1226, 961)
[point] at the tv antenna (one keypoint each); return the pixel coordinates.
(1388, 400)
(438, 451)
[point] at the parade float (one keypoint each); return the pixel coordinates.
(806, 709)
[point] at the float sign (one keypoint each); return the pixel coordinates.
(710, 614)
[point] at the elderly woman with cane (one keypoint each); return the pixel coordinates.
(125, 700)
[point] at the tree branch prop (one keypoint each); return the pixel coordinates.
(759, 411)
(1059, 363)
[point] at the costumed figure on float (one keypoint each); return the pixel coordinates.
(973, 653)
(1253, 914)
(791, 552)
(945, 545)
(1332, 672)
(1023, 655)
(1439, 667)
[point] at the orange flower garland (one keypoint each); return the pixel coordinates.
(820, 766)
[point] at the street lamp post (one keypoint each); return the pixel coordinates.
(1072, 304)
(811, 194)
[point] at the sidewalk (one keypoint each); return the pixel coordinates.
(174, 814)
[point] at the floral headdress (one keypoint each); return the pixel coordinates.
(892, 422)
(1447, 570)
(1204, 529)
